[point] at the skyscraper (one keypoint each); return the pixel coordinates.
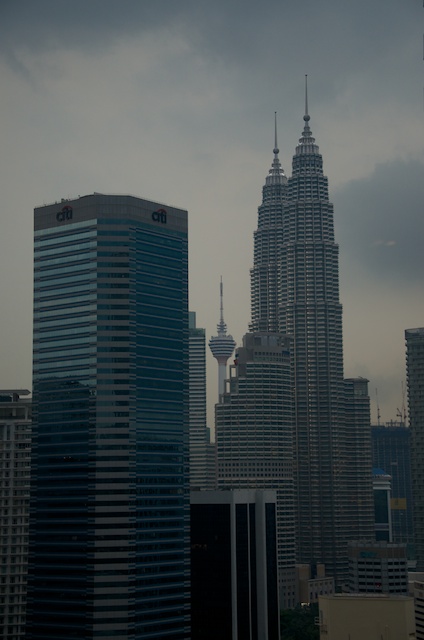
(295, 288)
(109, 545)
(311, 313)
(415, 383)
(222, 345)
(202, 451)
(255, 439)
(358, 473)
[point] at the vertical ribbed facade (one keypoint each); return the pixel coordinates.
(415, 383)
(108, 550)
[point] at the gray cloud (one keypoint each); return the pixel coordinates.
(381, 222)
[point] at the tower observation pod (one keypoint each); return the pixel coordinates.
(222, 345)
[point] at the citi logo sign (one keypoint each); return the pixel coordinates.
(64, 214)
(159, 216)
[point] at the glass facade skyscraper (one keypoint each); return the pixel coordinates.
(108, 553)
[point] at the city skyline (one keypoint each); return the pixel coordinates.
(180, 101)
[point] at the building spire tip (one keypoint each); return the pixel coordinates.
(306, 117)
(276, 149)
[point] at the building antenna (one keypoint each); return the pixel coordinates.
(403, 403)
(306, 95)
(276, 149)
(221, 307)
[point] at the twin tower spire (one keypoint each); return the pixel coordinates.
(222, 345)
(276, 174)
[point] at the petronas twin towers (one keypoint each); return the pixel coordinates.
(295, 292)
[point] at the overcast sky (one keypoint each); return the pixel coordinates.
(174, 101)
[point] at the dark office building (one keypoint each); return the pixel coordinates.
(415, 383)
(234, 565)
(109, 548)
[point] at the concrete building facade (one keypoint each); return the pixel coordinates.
(378, 567)
(366, 617)
(202, 451)
(15, 465)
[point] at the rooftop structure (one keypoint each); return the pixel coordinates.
(367, 616)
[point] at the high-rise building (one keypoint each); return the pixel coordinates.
(222, 345)
(233, 565)
(109, 547)
(15, 460)
(202, 451)
(391, 451)
(359, 504)
(254, 436)
(311, 313)
(415, 383)
(295, 287)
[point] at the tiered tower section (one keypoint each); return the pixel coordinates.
(222, 345)
(268, 240)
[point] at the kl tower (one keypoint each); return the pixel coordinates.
(222, 345)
